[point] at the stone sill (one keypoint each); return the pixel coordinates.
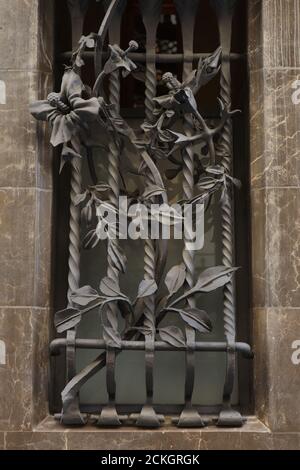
(49, 424)
(51, 435)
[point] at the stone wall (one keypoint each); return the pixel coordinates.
(26, 39)
(274, 62)
(26, 52)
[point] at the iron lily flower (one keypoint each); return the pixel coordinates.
(68, 113)
(118, 59)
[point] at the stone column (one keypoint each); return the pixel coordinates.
(25, 212)
(274, 62)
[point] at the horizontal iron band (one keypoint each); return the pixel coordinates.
(159, 58)
(80, 343)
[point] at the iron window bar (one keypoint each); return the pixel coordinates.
(159, 57)
(213, 346)
(71, 414)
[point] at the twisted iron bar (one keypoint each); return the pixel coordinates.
(77, 11)
(113, 168)
(187, 11)
(227, 416)
(150, 10)
(74, 235)
(71, 413)
(150, 92)
(109, 415)
(188, 191)
(151, 13)
(224, 150)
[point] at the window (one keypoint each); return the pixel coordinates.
(164, 387)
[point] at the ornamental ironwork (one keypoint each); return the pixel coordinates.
(81, 118)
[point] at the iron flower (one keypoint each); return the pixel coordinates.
(68, 113)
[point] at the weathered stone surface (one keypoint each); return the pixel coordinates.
(35, 441)
(283, 328)
(43, 230)
(283, 246)
(46, 39)
(166, 438)
(256, 441)
(286, 441)
(258, 242)
(40, 371)
(25, 153)
(281, 33)
(276, 247)
(255, 34)
(26, 41)
(260, 364)
(275, 153)
(23, 377)
(178, 440)
(277, 379)
(257, 117)
(2, 435)
(17, 206)
(127, 439)
(220, 440)
(274, 33)
(25, 234)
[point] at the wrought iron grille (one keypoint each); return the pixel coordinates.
(83, 118)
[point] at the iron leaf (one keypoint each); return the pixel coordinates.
(213, 278)
(152, 190)
(147, 287)
(112, 337)
(207, 182)
(66, 318)
(80, 198)
(109, 287)
(175, 278)
(69, 324)
(84, 295)
(172, 335)
(197, 319)
(209, 280)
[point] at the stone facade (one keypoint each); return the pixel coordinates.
(26, 40)
(274, 39)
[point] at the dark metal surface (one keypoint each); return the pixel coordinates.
(243, 348)
(227, 417)
(187, 11)
(80, 116)
(159, 58)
